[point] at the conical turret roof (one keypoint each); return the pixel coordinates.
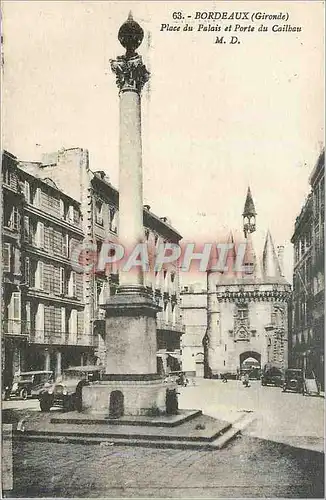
(271, 265)
(231, 257)
(251, 260)
(249, 208)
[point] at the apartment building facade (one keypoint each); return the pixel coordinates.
(302, 296)
(306, 348)
(62, 204)
(15, 332)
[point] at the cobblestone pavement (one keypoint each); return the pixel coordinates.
(248, 467)
(258, 464)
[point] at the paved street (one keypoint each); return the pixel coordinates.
(253, 465)
(288, 418)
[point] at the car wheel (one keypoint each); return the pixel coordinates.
(68, 405)
(23, 394)
(78, 403)
(45, 404)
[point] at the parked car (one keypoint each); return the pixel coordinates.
(272, 375)
(66, 392)
(311, 384)
(253, 373)
(294, 380)
(28, 384)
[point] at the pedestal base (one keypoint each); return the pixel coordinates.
(125, 397)
(130, 332)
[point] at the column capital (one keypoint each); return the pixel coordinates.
(131, 73)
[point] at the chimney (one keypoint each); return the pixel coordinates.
(147, 207)
(280, 256)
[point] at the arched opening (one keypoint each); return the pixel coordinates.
(199, 360)
(116, 407)
(250, 363)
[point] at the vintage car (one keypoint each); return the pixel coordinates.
(272, 375)
(66, 392)
(28, 384)
(294, 380)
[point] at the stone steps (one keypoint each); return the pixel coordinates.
(100, 435)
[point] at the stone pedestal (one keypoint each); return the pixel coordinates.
(130, 334)
(139, 397)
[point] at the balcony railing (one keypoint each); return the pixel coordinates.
(171, 327)
(65, 338)
(16, 327)
(85, 340)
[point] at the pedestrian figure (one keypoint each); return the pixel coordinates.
(245, 380)
(224, 378)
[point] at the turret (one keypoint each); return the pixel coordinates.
(249, 215)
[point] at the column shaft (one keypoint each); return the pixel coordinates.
(58, 363)
(47, 360)
(130, 182)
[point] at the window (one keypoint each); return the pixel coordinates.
(6, 176)
(28, 317)
(63, 320)
(73, 327)
(37, 197)
(65, 245)
(26, 229)
(242, 313)
(62, 281)
(6, 257)
(51, 239)
(72, 284)
(39, 323)
(15, 306)
(248, 268)
(27, 192)
(40, 235)
(39, 276)
(70, 215)
(27, 271)
(62, 208)
(99, 213)
(76, 216)
(32, 273)
(14, 219)
(113, 220)
(16, 261)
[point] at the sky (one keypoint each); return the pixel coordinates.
(216, 118)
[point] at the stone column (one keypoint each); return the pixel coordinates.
(58, 363)
(47, 360)
(130, 326)
(131, 313)
(130, 180)
(131, 75)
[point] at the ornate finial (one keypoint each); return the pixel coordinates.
(130, 71)
(130, 35)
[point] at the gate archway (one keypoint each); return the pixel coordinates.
(250, 360)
